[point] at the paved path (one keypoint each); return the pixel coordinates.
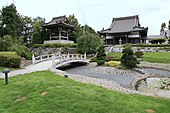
(32, 68)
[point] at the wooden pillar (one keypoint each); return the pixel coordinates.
(67, 35)
(59, 33)
(50, 34)
(126, 38)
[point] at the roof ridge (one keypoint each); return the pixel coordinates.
(125, 17)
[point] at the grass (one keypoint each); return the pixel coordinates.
(11, 69)
(45, 92)
(154, 57)
(115, 55)
(157, 57)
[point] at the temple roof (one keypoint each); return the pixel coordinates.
(124, 25)
(59, 21)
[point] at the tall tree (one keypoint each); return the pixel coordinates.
(88, 43)
(10, 20)
(37, 39)
(74, 34)
(162, 30)
(169, 25)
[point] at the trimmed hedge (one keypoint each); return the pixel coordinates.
(55, 45)
(151, 45)
(10, 59)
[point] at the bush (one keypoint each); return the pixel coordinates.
(151, 45)
(156, 41)
(101, 55)
(93, 59)
(139, 54)
(100, 62)
(112, 63)
(10, 59)
(88, 43)
(55, 45)
(168, 41)
(128, 59)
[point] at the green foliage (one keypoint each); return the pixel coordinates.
(101, 55)
(55, 45)
(139, 54)
(88, 43)
(9, 59)
(128, 59)
(168, 41)
(10, 21)
(156, 41)
(37, 39)
(10, 44)
(151, 45)
(77, 32)
(93, 59)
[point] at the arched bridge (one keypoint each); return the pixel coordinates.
(59, 60)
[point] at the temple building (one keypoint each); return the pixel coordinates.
(59, 27)
(124, 30)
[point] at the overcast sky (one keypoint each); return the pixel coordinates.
(97, 13)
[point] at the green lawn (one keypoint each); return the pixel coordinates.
(11, 69)
(45, 92)
(155, 57)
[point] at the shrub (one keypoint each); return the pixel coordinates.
(9, 59)
(168, 41)
(151, 45)
(93, 59)
(101, 55)
(112, 63)
(156, 41)
(100, 62)
(139, 54)
(55, 45)
(128, 59)
(88, 43)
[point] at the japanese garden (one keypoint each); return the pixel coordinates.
(61, 66)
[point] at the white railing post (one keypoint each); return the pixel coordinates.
(68, 56)
(85, 56)
(33, 58)
(53, 60)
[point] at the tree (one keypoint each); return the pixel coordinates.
(128, 58)
(27, 27)
(74, 34)
(162, 30)
(101, 55)
(37, 34)
(88, 29)
(88, 43)
(10, 21)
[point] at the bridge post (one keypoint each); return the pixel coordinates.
(53, 60)
(33, 58)
(68, 56)
(85, 57)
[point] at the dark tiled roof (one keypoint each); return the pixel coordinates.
(124, 24)
(61, 20)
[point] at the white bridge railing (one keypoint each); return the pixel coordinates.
(67, 57)
(58, 58)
